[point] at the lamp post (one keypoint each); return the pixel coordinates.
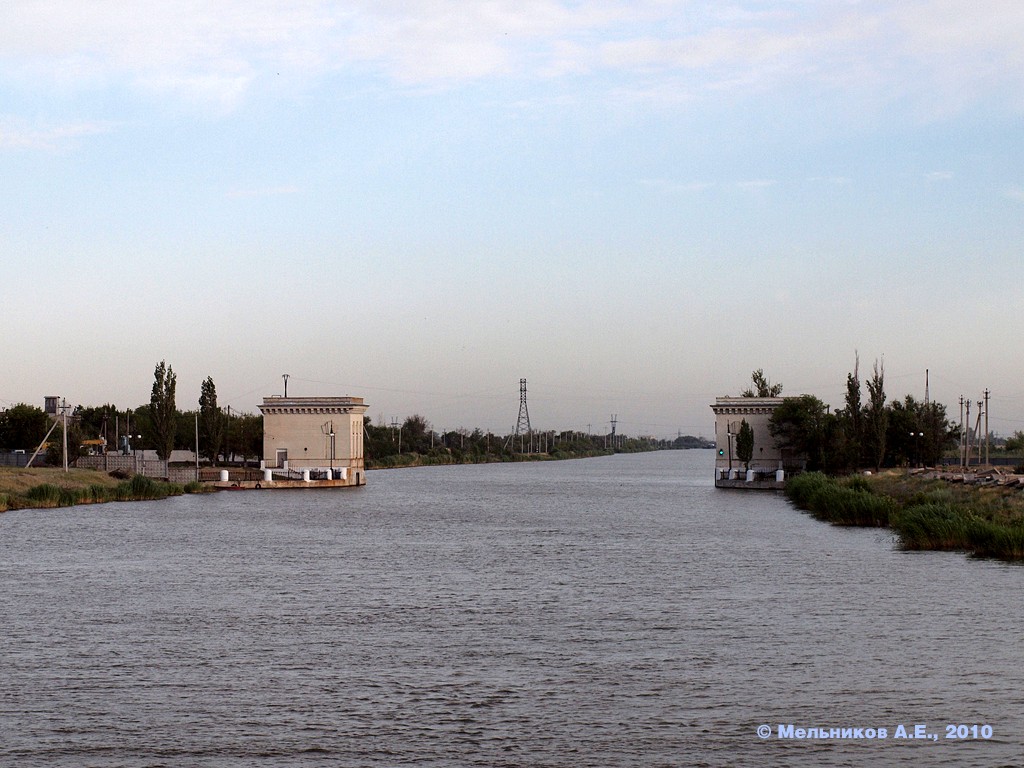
(332, 448)
(917, 445)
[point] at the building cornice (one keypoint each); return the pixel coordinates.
(313, 405)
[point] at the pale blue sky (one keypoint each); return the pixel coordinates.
(631, 204)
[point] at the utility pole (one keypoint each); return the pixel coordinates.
(395, 425)
(962, 434)
(967, 437)
(64, 416)
(978, 429)
(615, 420)
(986, 427)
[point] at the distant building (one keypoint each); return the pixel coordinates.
(767, 462)
(316, 433)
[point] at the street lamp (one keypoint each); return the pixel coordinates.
(332, 448)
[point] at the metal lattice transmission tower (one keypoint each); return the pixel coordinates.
(523, 428)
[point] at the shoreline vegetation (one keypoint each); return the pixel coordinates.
(49, 488)
(925, 510)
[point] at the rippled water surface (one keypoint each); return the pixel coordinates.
(608, 612)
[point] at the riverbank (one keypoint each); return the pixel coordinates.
(926, 510)
(46, 488)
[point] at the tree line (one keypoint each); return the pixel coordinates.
(225, 436)
(414, 441)
(157, 425)
(867, 432)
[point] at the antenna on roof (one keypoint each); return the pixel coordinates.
(285, 376)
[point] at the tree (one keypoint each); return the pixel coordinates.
(876, 417)
(211, 421)
(802, 425)
(416, 434)
(745, 444)
(850, 445)
(1015, 443)
(23, 427)
(162, 410)
(917, 433)
(762, 386)
(246, 436)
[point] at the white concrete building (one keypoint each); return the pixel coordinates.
(767, 462)
(320, 434)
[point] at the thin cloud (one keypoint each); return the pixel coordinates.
(16, 133)
(216, 53)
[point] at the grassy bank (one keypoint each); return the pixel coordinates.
(924, 513)
(43, 488)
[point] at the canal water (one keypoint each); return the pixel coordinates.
(616, 611)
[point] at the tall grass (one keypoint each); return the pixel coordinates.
(933, 525)
(850, 504)
(924, 518)
(48, 495)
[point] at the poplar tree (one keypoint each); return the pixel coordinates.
(852, 418)
(876, 416)
(745, 444)
(163, 411)
(211, 421)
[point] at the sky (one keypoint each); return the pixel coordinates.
(632, 205)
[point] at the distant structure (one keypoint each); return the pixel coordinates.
(324, 434)
(523, 424)
(767, 467)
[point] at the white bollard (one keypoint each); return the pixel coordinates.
(223, 475)
(750, 475)
(305, 475)
(268, 475)
(780, 476)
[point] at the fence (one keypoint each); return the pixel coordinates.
(11, 459)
